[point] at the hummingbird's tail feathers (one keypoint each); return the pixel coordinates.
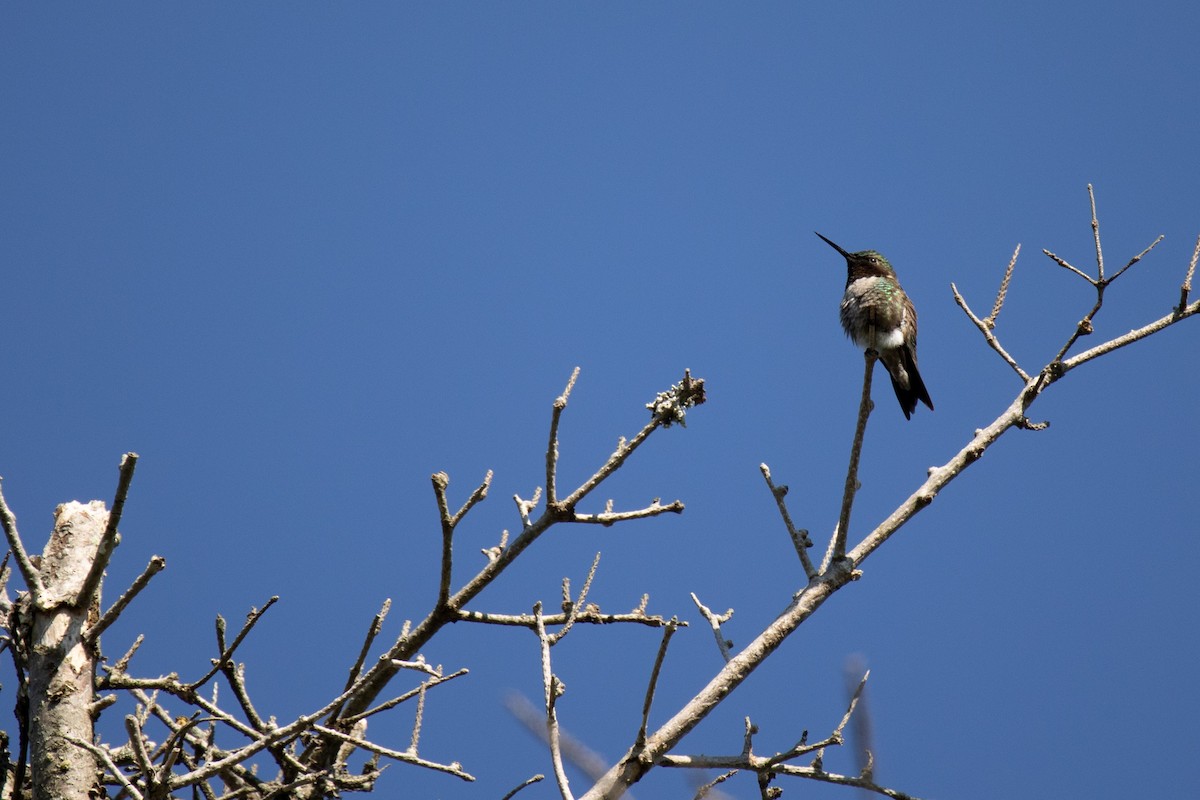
(907, 398)
(911, 390)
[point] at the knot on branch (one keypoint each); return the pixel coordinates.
(671, 406)
(561, 510)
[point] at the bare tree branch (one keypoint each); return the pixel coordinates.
(552, 689)
(109, 541)
(799, 537)
(552, 448)
(156, 565)
(528, 782)
(715, 621)
(668, 632)
(986, 326)
(29, 573)
(227, 653)
(837, 545)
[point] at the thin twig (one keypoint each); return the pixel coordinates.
(418, 720)
(108, 540)
(123, 663)
(986, 329)
(1002, 293)
(227, 653)
(703, 791)
(527, 782)
(854, 698)
(1136, 258)
(608, 518)
(1096, 234)
(552, 688)
(372, 631)
(799, 537)
(156, 565)
(235, 674)
(137, 741)
(588, 615)
(715, 621)
(668, 632)
(30, 574)
(576, 606)
(395, 701)
(560, 403)
(453, 768)
(1063, 263)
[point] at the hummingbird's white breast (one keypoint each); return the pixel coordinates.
(868, 316)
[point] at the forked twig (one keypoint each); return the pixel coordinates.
(715, 621)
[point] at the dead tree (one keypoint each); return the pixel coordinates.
(182, 737)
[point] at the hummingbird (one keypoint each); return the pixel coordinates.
(877, 315)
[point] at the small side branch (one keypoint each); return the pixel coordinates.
(1096, 233)
(668, 632)
(715, 621)
(30, 573)
(528, 782)
(449, 522)
(395, 701)
(985, 327)
(768, 767)
(560, 403)
(227, 652)
(156, 565)
(799, 537)
(1186, 288)
(453, 768)
(372, 631)
(552, 689)
(571, 608)
(1003, 291)
(988, 324)
(610, 517)
(108, 541)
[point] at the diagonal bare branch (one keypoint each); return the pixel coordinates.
(799, 537)
(986, 330)
(108, 541)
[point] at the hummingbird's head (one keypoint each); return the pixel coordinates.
(863, 264)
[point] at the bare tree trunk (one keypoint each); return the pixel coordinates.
(62, 665)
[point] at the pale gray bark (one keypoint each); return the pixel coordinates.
(62, 665)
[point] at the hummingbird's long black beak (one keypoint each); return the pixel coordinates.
(834, 246)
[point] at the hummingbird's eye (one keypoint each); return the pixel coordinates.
(874, 260)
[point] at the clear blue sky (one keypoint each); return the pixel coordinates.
(300, 256)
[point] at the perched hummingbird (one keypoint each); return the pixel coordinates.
(877, 315)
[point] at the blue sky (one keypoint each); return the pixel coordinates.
(301, 256)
